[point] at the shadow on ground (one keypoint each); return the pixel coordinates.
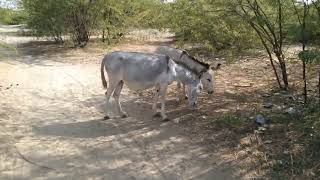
(138, 147)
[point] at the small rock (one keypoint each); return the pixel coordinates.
(286, 152)
(283, 92)
(280, 107)
(177, 120)
(230, 92)
(262, 129)
(268, 142)
(260, 120)
(266, 95)
(258, 132)
(291, 98)
(245, 141)
(268, 105)
(291, 110)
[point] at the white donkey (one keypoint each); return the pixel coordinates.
(140, 71)
(182, 57)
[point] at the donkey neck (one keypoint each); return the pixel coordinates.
(185, 75)
(193, 64)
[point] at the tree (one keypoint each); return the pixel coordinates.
(208, 22)
(47, 18)
(312, 57)
(266, 19)
(302, 18)
(10, 16)
(81, 18)
(111, 20)
(316, 4)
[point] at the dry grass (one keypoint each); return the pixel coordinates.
(282, 149)
(224, 122)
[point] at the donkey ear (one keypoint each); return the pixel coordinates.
(184, 51)
(215, 68)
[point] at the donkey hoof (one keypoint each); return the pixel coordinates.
(106, 117)
(157, 114)
(124, 116)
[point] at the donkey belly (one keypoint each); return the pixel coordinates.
(140, 77)
(143, 81)
(138, 85)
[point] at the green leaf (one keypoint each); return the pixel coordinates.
(309, 56)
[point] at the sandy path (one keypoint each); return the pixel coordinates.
(51, 128)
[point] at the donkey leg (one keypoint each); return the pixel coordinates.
(108, 94)
(178, 93)
(163, 92)
(155, 102)
(184, 91)
(116, 95)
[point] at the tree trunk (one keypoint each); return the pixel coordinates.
(103, 35)
(319, 87)
(270, 36)
(304, 77)
(108, 36)
(80, 24)
(284, 75)
(269, 54)
(279, 53)
(305, 13)
(283, 68)
(272, 63)
(305, 91)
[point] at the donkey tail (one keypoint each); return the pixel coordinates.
(103, 78)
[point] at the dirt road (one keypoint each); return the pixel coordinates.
(51, 125)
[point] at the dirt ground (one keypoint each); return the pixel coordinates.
(52, 105)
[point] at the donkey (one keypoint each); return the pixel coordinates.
(140, 71)
(182, 57)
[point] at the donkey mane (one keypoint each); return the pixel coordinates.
(189, 68)
(196, 60)
(205, 65)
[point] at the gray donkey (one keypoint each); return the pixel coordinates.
(140, 71)
(182, 57)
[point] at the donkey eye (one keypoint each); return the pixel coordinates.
(209, 80)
